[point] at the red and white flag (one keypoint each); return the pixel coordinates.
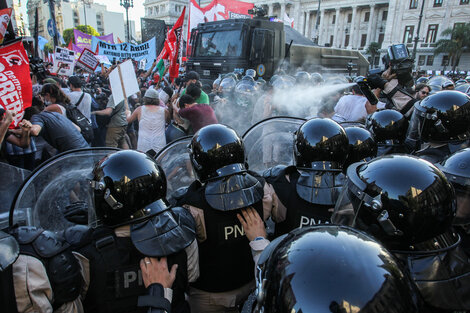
(5, 16)
(16, 91)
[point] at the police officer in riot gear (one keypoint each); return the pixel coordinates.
(439, 125)
(457, 170)
(408, 205)
(329, 268)
(389, 128)
(133, 221)
(224, 186)
(307, 192)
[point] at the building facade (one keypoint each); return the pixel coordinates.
(166, 10)
(354, 24)
(74, 13)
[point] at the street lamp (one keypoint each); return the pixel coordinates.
(127, 4)
(85, 3)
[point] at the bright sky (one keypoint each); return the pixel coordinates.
(135, 13)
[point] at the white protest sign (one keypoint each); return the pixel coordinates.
(87, 60)
(438, 72)
(63, 60)
(429, 72)
(123, 77)
(103, 59)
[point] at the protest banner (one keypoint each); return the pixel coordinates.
(5, 16)
(63, 61)
(103, 59)
(125, 50)
(83, 40)
(215, 11)
(16, 91)
(88, 61)
(123, 82)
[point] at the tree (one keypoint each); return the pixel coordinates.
(456, 45)
(373, 51)
(87, 29)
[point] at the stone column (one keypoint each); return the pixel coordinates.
(335, 32)
(369, 27)
(307, 24)
(320, 27)
(296, 16)
(353, 31)
(270, 9)
(302, 23)
(283, 11)
(340, 39)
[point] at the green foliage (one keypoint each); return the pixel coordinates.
(373, 49)
(49, 47)
(456, 45)
(87, 29)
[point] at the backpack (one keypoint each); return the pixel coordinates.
(77, 117)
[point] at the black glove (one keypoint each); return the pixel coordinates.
(376, 81)
(77, 212)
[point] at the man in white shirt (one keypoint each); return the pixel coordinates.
(355, 107)
(75, 85)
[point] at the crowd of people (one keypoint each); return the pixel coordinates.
(371, 215)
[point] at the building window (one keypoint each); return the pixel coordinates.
(331, 40)
(367, 17)
(384, 15)
(458, 25)
(445, 60)
(346, 40)
(333, 19)
(438, 3)
(432, 33)
(413, 4)
(349, 17)
(421, 60)
(363, 40)
(430, 60)
(156, 9)
(408, 36)
(381, 39)
(462, 2)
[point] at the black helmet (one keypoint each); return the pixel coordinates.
(401, 200)
(251, 73)
(387, 125)
(217, 151)
(125, 183)
(422, 80)
(330, 268)
(444, 116)
(457, 170)
(320, 140)
(302, 77)
(362, 146)
(316, 78)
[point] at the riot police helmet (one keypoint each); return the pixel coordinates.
(387, 125)
(362, 146)
(331, 268)
(302, 78)
(320, 140)
(443, 117)
(227, 85)
(403, 201)
(125, 183)
(250, 72)
(316, 78)
(460, 82)
(245, 91)
(422, 80)
(217, 151)
(457, 170)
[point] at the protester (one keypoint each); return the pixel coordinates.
(199, 115)
(54, 99)
(78, 98)
(117, 126)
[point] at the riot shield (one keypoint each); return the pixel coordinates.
(61, 181)
(175, 161)
(270, 142)
(11, 178)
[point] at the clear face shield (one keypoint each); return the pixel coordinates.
(59, 193)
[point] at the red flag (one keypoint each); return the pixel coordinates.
(70, 46)
(16, 90)
(5, 16)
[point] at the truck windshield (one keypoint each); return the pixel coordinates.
(220, 43)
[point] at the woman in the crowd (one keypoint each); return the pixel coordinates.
(54, 99)
(152, 119)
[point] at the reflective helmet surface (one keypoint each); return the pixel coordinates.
(302, 77)
(320, 140)
(362, 145)
(422, 80)
(436, 82)
(228, 85)
(316, 78)
(401, 200)
(251, 73)
(124, 183)
(465, 88)
(387, 125)
(445, 116)
(330, 268)
(213, 149)
(457, 169)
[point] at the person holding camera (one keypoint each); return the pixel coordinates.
(396, 80)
